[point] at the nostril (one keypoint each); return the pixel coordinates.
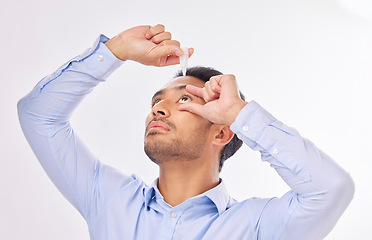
(161, 112)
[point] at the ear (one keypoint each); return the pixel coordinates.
(223, 135)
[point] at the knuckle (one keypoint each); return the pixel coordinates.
(230, 76)
(165, 42)
(205, 92)
(205, 95)
(208, 99)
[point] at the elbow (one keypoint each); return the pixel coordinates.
(23, 110)
(342, 190)
(20, 106)
(23, 106)
(347, 186)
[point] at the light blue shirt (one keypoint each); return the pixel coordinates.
(117, 206)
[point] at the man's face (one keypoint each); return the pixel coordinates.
(172, 134)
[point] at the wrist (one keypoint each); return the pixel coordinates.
(235, 110)
(116, 47)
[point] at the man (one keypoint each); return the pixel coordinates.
(192, 128)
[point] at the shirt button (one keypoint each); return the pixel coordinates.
(239, 136)
(173, 214)
(245, 128)
(100, 58)
(275, 151)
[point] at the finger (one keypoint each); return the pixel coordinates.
(191, 52)
(170, 42)
(196, 91)
(217, 79)
(229, 86)
(209, 94)
(171, 60)
(164, 51)
(214, 85)
(192, 107)
(155, 30)
(175, 42)
(161, 37)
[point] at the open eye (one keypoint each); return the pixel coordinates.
(184, 99)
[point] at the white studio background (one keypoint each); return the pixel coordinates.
(308, 62)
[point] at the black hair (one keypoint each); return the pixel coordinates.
(204, 74)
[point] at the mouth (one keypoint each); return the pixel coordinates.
(157, 126)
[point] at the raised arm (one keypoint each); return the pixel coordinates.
(321, 190)
(44, 113)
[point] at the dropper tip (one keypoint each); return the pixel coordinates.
(184, 60)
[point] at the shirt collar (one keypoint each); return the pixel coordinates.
(218, 195)
(150, 193)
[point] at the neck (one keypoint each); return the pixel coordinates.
(181, 180)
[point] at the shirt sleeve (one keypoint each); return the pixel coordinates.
(320, 189)
(44, 117)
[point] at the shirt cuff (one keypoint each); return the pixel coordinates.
(99, 59)
(251, 122)
(261, 131)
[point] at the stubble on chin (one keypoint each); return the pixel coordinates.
(167, 150)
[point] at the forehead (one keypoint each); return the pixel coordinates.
(184, 80)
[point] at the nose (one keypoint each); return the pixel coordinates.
(160, 110)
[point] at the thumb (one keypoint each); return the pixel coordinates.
(193, 108)
(163, 51)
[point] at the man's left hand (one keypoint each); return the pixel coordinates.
(223, 102)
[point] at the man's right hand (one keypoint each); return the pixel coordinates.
(147, 45)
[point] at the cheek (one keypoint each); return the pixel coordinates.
(189, 121)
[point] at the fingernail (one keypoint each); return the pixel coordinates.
(147, 35)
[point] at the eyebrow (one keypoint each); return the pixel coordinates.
(161, 92)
